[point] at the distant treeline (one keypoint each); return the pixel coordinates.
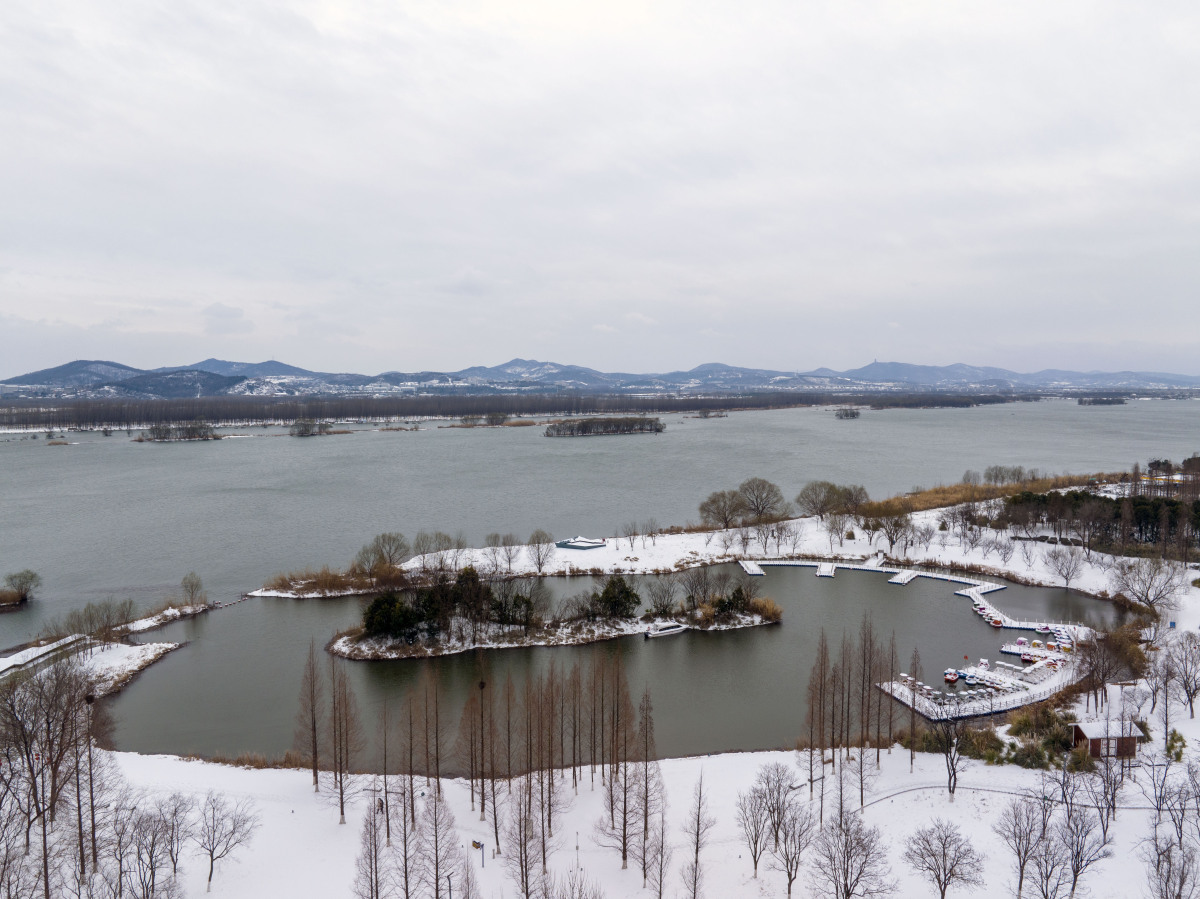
(594, 427)
(122, 413)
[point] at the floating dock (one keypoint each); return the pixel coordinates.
(826, 569)
(751, 568)
(904, 577)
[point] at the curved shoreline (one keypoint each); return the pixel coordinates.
(567, 634)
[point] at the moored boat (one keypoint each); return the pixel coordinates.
(582, 543)
(666, 629)
(950, 675)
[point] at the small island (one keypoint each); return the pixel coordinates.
(467, 613)
(598, 427)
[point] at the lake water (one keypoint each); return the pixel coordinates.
(108, 517)
(234, 687)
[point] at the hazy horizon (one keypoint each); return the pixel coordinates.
(627, 187)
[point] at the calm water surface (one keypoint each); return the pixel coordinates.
(108, 517)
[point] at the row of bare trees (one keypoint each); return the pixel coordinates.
(69, 824)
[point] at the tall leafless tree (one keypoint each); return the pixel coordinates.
(1019, 828)
(311, 714)
(698, 828)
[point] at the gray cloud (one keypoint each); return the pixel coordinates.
(629, 186)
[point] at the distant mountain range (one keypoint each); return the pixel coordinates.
(217, 377)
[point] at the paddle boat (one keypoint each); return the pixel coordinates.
(950, 675)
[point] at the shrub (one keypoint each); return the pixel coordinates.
(767, 609)
(1029, 755)
(1080, 761)
(983, 743)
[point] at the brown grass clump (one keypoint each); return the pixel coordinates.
(956, 494)
(256, 760)
(324, 581)
(10, 598)
(57, 443)
(766, 609)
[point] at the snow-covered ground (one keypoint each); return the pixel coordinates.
(111, 664)
(673, 552)
(115, 664)
(166, 616)
(301, 850)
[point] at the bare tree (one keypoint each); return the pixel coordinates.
(1019, 827)
(723, 508)
(774, 781)
(573, 885)
(663, 592)
(438, 846)
(308, 717)
(345, 737)
(223, 828)
(754, 823)
(510, 547)
(521, 838)
(1153, 583)
(850, 860)
(1083, 843)
(1172, 869)
(660, 859)
(947, 738)
(404, 860)
(176, 816)
(817, 498)
(697, 827)
(193, 590)
(370, 868)
(796, 833)
(942, 855)
(1184, 653)
(764, 500)
(541, 549)
(1065, 561)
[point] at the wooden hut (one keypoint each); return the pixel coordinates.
(1105, 740)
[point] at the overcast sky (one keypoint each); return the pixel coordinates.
(371, 184)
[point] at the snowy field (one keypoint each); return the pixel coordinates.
(301, 850)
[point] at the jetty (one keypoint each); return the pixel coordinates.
(973, 589)
(751, 568)
(999, 691)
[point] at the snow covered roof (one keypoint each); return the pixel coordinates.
(1098, 730)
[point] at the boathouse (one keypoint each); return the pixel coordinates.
(1105, 740)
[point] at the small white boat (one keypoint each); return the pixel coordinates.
(582, 543)
(666, 629)
(984, 664)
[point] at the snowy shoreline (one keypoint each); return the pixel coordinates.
(574, 633)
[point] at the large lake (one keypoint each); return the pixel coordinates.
(109, 517)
